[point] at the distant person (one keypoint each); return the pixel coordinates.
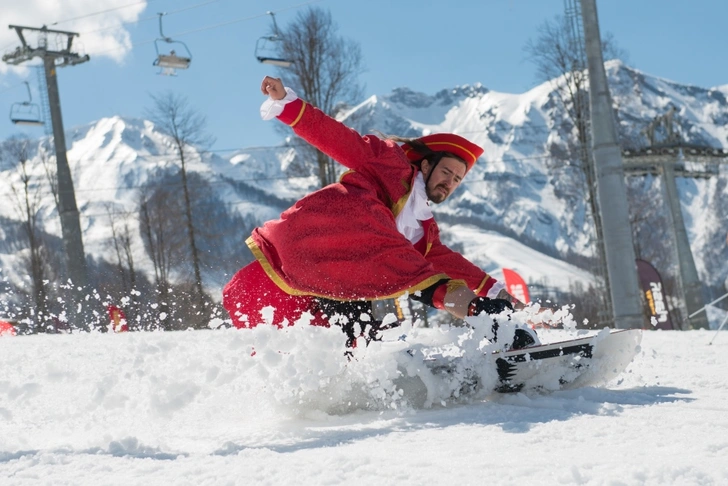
(370, 236)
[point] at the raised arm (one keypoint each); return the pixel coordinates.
(332, 137)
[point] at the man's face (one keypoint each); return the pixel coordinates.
(446, 177)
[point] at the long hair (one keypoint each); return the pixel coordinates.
(423, 150)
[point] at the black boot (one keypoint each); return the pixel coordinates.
(349, 317)
(524, 339)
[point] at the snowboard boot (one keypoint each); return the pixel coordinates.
(525, 337)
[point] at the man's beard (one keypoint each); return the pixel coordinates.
(435, 196)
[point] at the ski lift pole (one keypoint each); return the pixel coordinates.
(719, 329)
(30, 96)
(706, 306)
(161, 33)
(275, 25)
(67, 209)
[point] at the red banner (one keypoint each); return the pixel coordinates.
(654, 294)
(516, 286)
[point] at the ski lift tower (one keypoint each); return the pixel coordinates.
(575, 33)
(668, 156)
(68, 211)
(612, 193)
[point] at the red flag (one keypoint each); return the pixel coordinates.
(516, 286)
(7, 329)
(118, 319)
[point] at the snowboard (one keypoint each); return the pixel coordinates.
(586, 361)
(583, 361)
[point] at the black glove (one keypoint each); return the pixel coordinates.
(490, 306)
(521, 339)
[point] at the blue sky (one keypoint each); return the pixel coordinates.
(425, 45)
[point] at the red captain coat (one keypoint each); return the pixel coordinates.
(341, 242)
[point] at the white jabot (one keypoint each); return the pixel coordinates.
(415, 210)
(272, 108)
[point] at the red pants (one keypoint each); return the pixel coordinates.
(252, 298)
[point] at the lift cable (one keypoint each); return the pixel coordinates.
(100, 12)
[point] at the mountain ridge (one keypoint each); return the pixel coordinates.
(524, 185)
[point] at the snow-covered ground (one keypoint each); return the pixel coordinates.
(285, 407)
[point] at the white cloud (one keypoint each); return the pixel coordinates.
(101, 35)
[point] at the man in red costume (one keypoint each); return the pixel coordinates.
(370, 236)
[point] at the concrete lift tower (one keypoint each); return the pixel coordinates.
(669, 157)
(68, 211)
(612, 193)
(575, 32)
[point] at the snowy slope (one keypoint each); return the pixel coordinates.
(492, 251)
(194, 408)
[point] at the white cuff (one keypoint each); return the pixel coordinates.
(272, 108)
(493, 291)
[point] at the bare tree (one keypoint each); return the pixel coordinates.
(121, 241)
(27, 192)
(162, 240)
(173, 116)
(557, 54)
(325, 69)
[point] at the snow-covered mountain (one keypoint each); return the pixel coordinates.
(522, 207)
(527, 187)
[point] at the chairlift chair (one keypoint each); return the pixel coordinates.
(26, 112)
(264, 54)
(265, 51)
(172, 61)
